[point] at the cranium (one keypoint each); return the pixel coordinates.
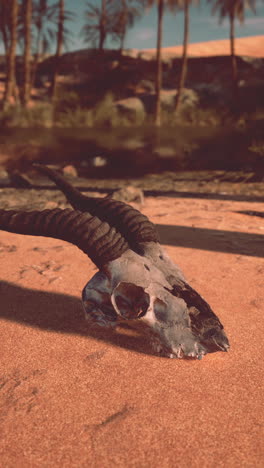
(137, 283)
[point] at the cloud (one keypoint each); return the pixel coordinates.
(255, 22)
(145, 34)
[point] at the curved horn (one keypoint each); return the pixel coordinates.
(97, 239)
(134, 226)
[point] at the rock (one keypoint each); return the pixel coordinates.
(132, 144)
(147, 86)
(114, 64)
(211, 94)
(4, 178)
(131, 107)
(165, 152)
(99, 161)
(50, 205)
(129, 194)
(189, 98)
(70, 171)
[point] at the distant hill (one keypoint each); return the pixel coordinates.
(250, 46)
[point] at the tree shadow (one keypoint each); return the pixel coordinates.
(151, 193)
(259, 214)
(204, 195)
(239, 243)
(61, 313)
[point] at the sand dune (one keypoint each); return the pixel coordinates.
(251, 46)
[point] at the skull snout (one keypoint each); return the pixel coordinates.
(172, 334)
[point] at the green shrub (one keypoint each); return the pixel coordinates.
(66, 101)
(103, 112)
(257, 147)
(38, 116)
(75, 118)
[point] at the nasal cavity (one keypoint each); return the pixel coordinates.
(160, 310)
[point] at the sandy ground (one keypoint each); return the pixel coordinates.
(72, 397)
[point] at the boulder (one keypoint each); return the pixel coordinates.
(129, 194)
(70, 170)
(146, 86)
(189, 98)
(131, 108)
(4, 178)
(212, 94)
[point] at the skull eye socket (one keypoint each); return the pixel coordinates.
(130, 301)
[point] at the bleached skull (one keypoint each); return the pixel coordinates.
(134, 291)
(137, 282)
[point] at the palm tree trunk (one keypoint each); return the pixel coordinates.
(59, 49)
(122, 44)
(11, 57)
(124, 16)
(102, 35)
(232, 52)
(4, 27)
(159, 64)
(43, 6)
(5, 41)
(37, 55)
(184, 55)
(101, 41)
(27, 53)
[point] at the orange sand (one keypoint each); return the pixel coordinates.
(72, 397)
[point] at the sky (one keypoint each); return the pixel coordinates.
(203, 26)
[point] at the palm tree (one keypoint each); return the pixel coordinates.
(11, 56)
(125, 13)
(159, 64)
(161, 5)
(233, 9)
(59, 47)
(5, 23)
(42, 19)
(158, 84)
(183, 72)
(99, 23)
(49, 25)
(27, 16)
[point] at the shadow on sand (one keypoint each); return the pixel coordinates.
(240, 243)
(62, 314)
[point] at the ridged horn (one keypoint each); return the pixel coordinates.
(97, 239)
(133, 225)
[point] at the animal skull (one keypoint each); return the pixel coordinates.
(133, 290)
(137, 282)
